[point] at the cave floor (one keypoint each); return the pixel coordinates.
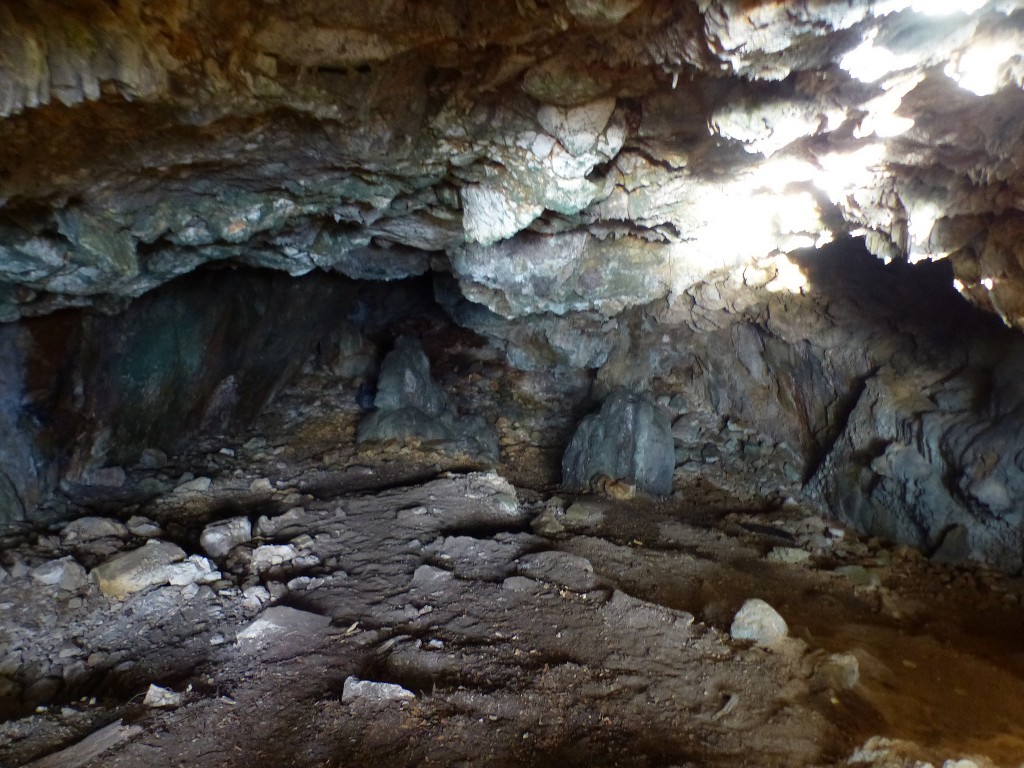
(493, 623)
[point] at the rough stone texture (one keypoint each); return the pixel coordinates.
(138, 569)
(369, 691)
(219, 538)
(619, 186)
(758, 622)
(82, 390)
(410, 404)
(281, 624)
(629, 439)
(326, 139)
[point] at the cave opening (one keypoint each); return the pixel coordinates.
(620, 382)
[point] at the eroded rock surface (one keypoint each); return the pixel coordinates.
(358, 137)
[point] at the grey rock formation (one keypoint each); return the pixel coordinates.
(410, 404)
(651, 125)
(926, 460)
(629, 439)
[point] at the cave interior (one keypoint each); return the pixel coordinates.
(533, 383)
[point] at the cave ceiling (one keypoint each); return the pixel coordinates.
(553, 156)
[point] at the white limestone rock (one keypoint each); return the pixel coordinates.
(270, 555)
(577, 128)
(219, 538)
(491, 214)
(373, 692)
(279, 623)
(196, 569)
(758, 622)
(161, 698)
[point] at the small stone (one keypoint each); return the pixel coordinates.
(194, 569)
(838, 671)
(280, 622)
(254, 598)
(199, 485)
(270, 555)
(261, 485)
(428, 577)
(219, 538)
(547, 523)
(91, 529)
(373, 692)
(189, 592)
(162, 698)
(64, 573)
(759, 622)
(143, 527)
(789, 555)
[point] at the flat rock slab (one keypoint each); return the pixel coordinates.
(89, 748)
(134, 571)
(281, 624)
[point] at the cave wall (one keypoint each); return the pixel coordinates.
(641, 189)
(81, 391)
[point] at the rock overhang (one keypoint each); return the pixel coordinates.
(674, 140)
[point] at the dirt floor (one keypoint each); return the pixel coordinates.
(397, 606)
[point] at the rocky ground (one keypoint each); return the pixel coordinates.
(289, 597)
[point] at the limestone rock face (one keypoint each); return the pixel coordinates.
(353, 136)
(81, 390)
(629, 439)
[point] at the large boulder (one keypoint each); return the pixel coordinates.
(630, 438)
